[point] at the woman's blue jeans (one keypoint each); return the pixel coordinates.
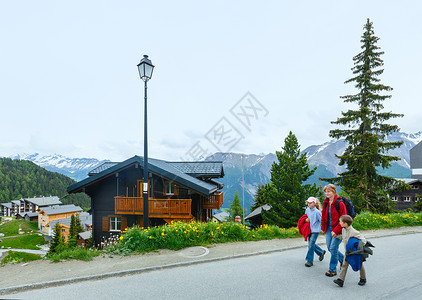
(313, 247)
(332, 245)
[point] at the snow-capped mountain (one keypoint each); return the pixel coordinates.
(254, 169)
(75, 168)
(324, 154)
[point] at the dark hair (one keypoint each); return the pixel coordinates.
(346, 219)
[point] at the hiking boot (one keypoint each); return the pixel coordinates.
(330, 274)
(308, 264)
(339, 282)
(321, 257)
(362, 282)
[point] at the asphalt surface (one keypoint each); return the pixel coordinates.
(39, 274)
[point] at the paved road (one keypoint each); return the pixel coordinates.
(394, 272)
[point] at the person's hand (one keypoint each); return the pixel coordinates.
(333, 234)
(307, 220)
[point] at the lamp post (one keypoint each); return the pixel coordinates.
(145, 68)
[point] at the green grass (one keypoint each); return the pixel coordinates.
(367, 220)
(18, 257)
(79, 253)
(11, 228)
(179, 235)
(26, 241)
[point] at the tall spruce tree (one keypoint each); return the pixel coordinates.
(259, 198)
(367, 131)
(286, 193)
(235, 207)
(57, 243)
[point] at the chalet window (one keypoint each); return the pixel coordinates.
(406, 198)
(394, 198)
(169, 188)
(415, 187)
(115, 223)
(63, 230)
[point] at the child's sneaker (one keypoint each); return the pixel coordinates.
(309, 264)
(321, 257)
(339, 282)
(362, 282)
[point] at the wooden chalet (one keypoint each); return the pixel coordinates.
(179, 191)
(407, 198)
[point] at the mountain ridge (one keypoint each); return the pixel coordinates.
(254, 169)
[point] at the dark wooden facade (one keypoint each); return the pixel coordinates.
(117, 203)
(407, 198)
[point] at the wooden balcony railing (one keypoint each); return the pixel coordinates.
(215, 201)
(157, 208)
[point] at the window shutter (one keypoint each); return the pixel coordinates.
(106, 223)
(123, 223)
(140, 189)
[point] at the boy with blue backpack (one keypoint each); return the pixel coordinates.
(351, 240)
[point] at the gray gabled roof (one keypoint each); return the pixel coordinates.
(60, 221)
(258, 211)
(222, 217)
(8, 205)
(85, 218)
(157, 166)
(44, 201)
(61, 209)
(409, 180)
(85, 235)
(102, 167)
(28, 213)
(200, 168)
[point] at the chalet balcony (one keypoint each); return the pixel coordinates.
(215, 201)
(157, 208)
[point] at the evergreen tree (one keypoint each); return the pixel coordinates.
(235, 207)
(75, 228)
(259, 198)
(286, 193)
(57, 243)
(24, 179)
(72, 230)
(78, 226)
(367, 131)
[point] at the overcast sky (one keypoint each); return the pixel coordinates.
(229, 75)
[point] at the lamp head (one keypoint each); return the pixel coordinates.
(145, 68)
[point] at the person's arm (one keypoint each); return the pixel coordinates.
(343, 211)
(323, 221)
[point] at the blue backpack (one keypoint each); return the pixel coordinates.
(349, 206)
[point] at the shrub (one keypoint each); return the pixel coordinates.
(79, 253)
(14, 257)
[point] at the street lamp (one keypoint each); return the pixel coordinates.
(145, 68)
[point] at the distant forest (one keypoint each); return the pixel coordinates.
(24, 179)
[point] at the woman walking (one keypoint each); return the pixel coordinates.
(331, 226)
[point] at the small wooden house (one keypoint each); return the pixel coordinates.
(255, 217)
(179, 191)
(49, 214)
